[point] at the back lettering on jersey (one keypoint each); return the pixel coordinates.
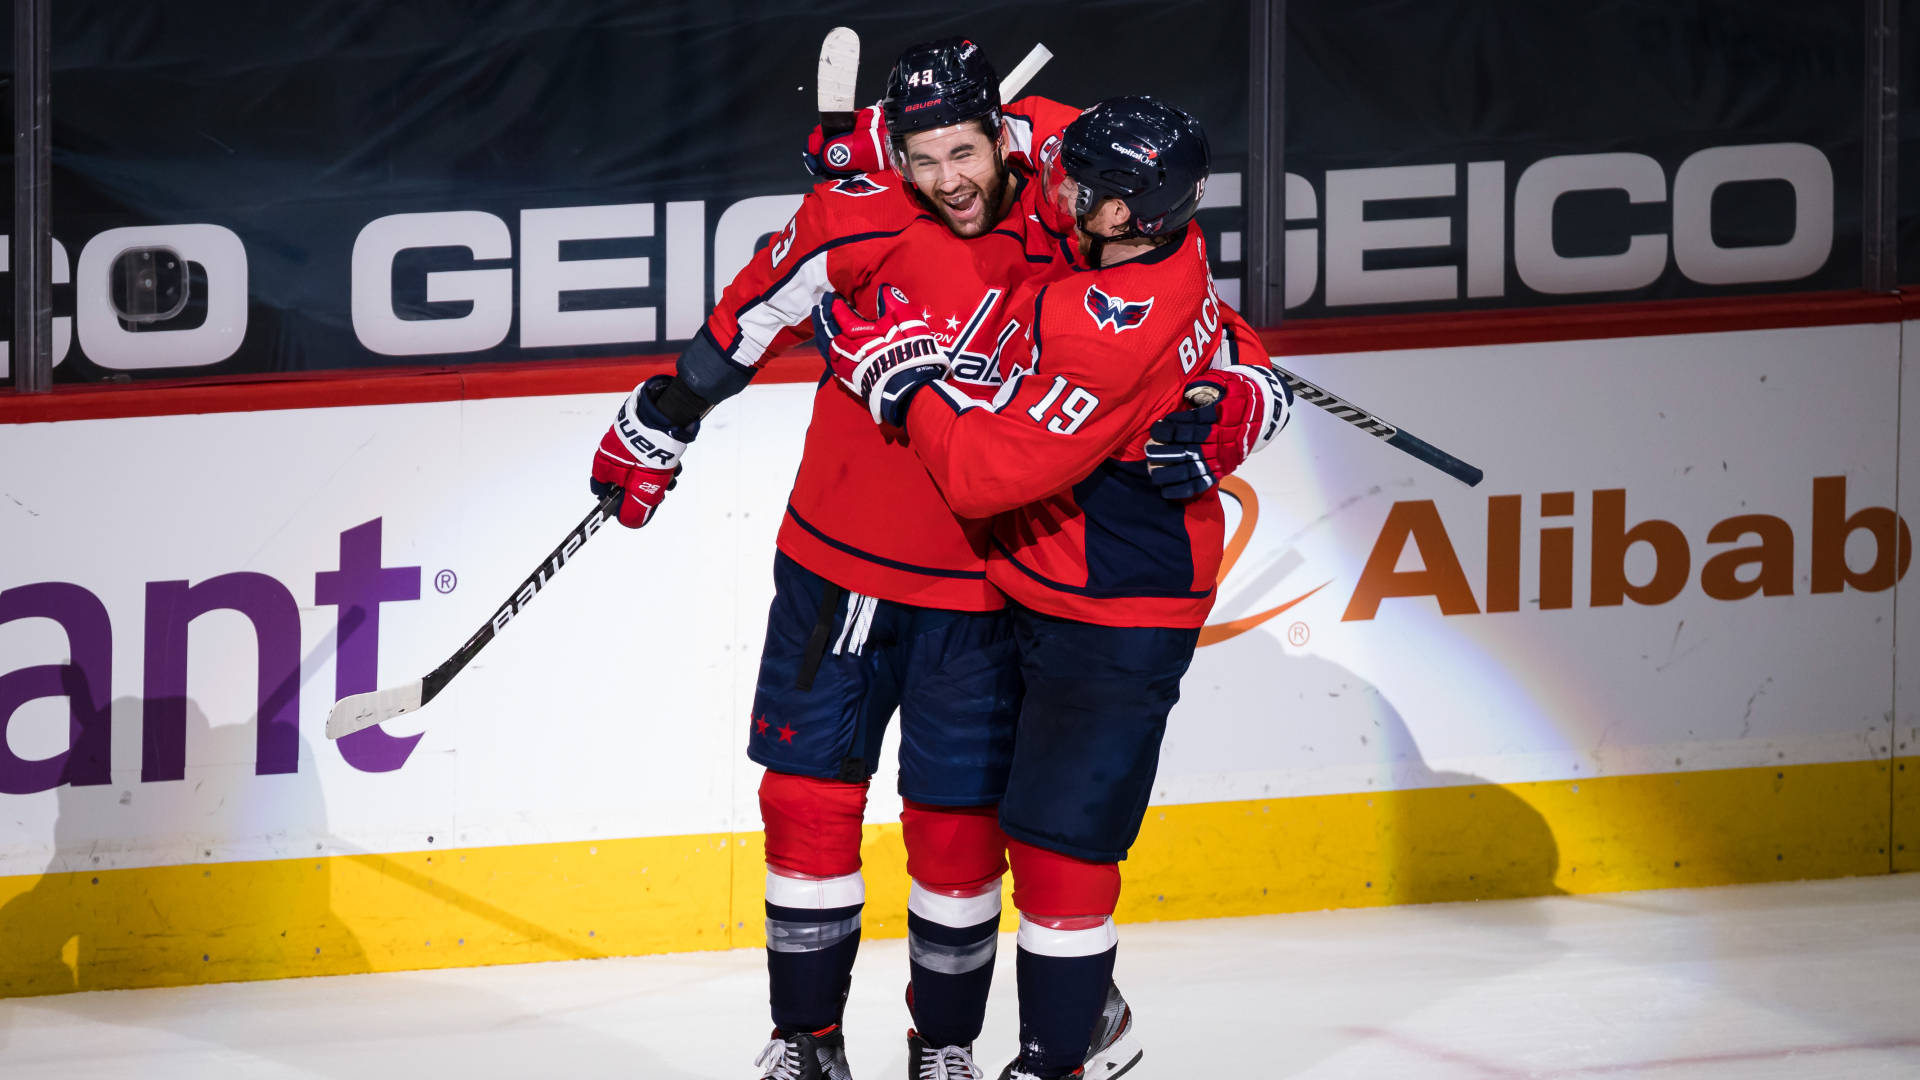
(1205, 336)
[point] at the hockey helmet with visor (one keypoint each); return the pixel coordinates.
(939, 84)
(1151, 156)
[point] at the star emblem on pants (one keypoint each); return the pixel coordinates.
(786, 733)
(760, 725)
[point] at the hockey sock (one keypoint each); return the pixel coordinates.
(813, 932)
(951, 942)
(1063, 971)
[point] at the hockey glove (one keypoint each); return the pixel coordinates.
(640, 454)
(861, 150)
(883, 360)
(1240, 408)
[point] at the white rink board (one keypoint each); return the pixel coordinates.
(1696, 429)
(617, 705)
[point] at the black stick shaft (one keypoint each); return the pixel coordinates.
(1396, 437)
(518, 600)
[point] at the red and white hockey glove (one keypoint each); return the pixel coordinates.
(862, 150)
(1240, 408)
(640, 454)
(883, 360)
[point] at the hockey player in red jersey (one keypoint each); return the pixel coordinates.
(881, 599)
(1109, 581)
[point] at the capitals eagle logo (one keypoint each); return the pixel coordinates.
(1114, 313)
(858, 185)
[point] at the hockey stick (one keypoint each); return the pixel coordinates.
(357, 711)
(1024, 71)
(1398, 438)
(833, 84)
(840, 63)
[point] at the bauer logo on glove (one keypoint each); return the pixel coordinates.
(640, 454)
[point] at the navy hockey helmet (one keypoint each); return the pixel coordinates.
(939, 84)
(1150, 155)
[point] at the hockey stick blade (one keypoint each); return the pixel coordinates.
(359, 711)
(833, 83)
(1024, 71)
(1397, 437)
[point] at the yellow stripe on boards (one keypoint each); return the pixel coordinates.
(180, 925)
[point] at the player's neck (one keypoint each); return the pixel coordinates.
(1114, 252)
(1098, 252)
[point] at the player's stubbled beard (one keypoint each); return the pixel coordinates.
(962, 175)
(980, 206)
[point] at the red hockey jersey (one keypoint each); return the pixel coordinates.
(863, 512)
(1060, 453)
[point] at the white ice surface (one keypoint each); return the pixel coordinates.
(1815, 979)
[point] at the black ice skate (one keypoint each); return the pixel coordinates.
(939, 1062)
(817, 1055)
(1113, 1052)
(1013, 1071)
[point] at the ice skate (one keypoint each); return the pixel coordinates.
(1113, 1052)
(940, 1062)
(1013, 1071)
(817, 1055)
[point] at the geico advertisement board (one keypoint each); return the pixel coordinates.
(1682, 558)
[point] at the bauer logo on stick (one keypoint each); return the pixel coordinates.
(1114, 313)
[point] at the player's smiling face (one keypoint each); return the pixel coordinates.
(959, 170)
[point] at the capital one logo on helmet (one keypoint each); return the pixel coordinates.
(1755, 554)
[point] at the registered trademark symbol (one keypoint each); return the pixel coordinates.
(1298, 633)
(446, 580)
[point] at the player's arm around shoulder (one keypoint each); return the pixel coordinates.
(1235, 408)
(1083, 399)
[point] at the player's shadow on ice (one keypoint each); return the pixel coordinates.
(1418, 835)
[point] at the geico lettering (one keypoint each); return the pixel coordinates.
(106, 342)
(1358, 218)
(1756, 555)
(545, 276)
(62, 274)
(488, 291)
